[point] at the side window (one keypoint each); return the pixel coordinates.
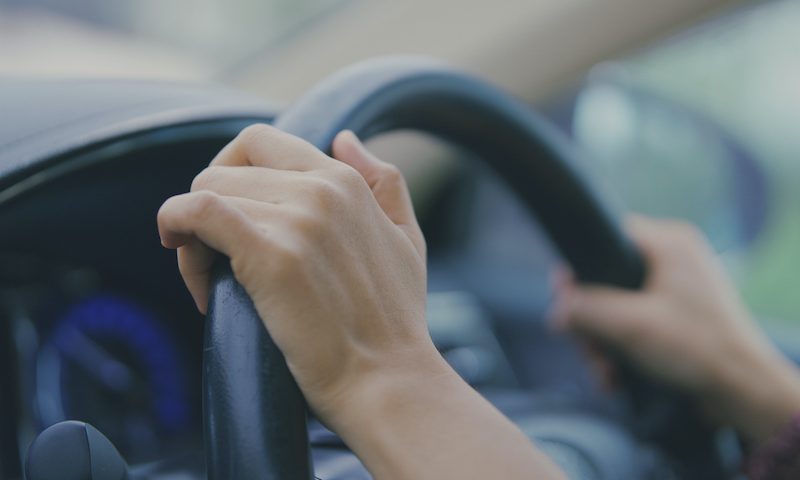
(706, 126)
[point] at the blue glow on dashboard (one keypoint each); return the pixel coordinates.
(124, 321)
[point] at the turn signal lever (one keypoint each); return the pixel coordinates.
(74, 451)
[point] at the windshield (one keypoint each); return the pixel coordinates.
(179, 39)
(740, 73)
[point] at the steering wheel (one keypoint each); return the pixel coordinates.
(381, 96)
(254, 413)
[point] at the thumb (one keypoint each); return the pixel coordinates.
(384, 179)
(613, 316)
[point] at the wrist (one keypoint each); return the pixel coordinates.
(377, 386)
(389, 407)
(423, 421)
(760, 393)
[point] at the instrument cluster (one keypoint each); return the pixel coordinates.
(89, 350)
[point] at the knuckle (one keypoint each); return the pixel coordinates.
(205, 179)
(164, 214)
(205, 204)
(253, 133)
(391, 174)
(308, 224)
(324, 193)
(347, 176)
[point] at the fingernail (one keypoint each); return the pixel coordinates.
(350, 135)
(357, 141)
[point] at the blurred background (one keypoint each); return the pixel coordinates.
(684, 108)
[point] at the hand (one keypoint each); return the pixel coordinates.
(333, 258)
(329, 251)
(688, 328)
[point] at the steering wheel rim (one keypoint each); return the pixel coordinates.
(396, 93)
(372, 98)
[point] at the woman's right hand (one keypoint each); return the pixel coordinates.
(332, 256)
(689, 328)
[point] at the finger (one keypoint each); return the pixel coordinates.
(612, 316)
(207, 218)
(647, 234)
(662, 238)
(599, 364)
(265, 146)
(562, 282)
(560, 277)
(384, 179)
(257, 183)
(200, 214)
(195, 261)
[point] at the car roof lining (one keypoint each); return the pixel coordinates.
(531, 48)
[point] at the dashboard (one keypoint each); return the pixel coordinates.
(101, 327)
(96, 325)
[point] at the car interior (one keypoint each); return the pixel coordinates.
(526, 132)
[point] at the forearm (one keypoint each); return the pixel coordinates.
(429, 424)
(759, 393)
(772, 431)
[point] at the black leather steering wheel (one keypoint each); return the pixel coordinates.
(255, 415)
